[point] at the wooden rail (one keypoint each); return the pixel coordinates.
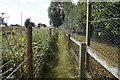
(104, 61)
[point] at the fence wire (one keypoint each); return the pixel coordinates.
(105, 35)
(105, 31)
(13, 50)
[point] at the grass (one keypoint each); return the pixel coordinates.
(109, 51)
(66, 66)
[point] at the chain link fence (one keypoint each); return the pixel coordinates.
(105, 35)
(105, 31)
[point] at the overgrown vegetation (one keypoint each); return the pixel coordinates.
(45, 61)
(50, 56)
(14, 50)
(67, 64)
(13, 53)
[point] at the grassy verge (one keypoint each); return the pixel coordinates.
(66, 67)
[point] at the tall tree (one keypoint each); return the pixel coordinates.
(56, 14)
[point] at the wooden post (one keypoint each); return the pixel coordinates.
(82, 50)
(53, 30)
(68, 41)
(88, 28)
(50, 32)
(29, 62)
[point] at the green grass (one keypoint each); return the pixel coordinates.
(15, 46)
(66, 66)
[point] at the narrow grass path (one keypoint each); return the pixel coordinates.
(64, 67)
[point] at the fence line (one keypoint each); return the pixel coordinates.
(28, 60)
(104, 61)
(7, 63)
(19, 66)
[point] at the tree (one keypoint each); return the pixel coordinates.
(44, 25)
(56, 14)
(28, 23)
(39, 25)
(106, 21)
(75, 16)
(32, 24)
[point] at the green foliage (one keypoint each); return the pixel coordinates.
(41, 25)
(56, 14)
(14, 49)
(46, 54)
(75, 16)
(13, 45)
(28, 23)
(106, 20)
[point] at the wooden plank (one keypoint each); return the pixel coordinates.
(75, 41)
(75, 47)
(105, 62)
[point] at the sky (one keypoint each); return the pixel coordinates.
(36, 10)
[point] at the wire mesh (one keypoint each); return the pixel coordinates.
(105, 35)
(105, 31)
(13, 49)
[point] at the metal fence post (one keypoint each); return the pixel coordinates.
(82, 49)
(29, 62)
(88, 28)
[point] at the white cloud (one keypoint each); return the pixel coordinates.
(34, 9)
(25, 1)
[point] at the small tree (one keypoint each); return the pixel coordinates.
(28, 23)
(32, 24)
(56, 14)
(44, 25)
(39, 25)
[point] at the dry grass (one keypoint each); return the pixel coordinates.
(109, 51)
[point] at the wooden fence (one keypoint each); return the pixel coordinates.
(84, 51)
